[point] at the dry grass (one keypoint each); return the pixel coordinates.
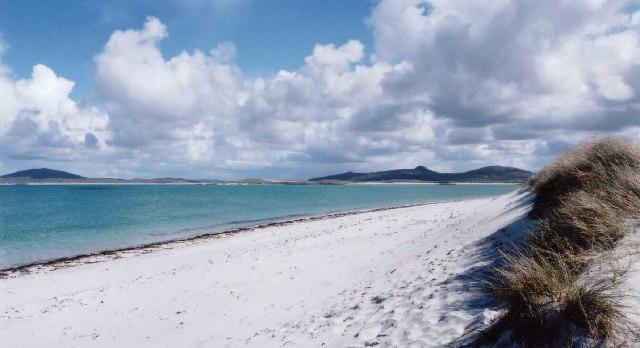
(584, 200)
(549, 304)
(592, 167)
(581, 223)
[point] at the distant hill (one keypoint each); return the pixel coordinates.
(45, 175)
(42, 173)
(420, 173)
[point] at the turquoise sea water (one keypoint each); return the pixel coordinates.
(43, 222)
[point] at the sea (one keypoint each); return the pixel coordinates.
(47, 222)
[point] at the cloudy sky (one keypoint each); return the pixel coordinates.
(295, 89)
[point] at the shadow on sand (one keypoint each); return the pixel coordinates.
(488, 255)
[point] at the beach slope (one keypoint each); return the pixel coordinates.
(391, 277)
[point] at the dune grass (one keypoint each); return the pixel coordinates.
(550, 304)
(583, 203)
(595, 168)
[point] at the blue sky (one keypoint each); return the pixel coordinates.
(269, 35)
(299, 89)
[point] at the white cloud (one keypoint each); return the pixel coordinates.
(449, 84)
(162, 105)
(496, 60)
(546, 71)
(38, 119)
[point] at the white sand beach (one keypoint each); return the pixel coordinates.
(397, 277)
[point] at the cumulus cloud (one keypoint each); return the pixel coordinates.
(449, 84)
(513, 74)
(198, 107)
(177, 107)
(551, 63)
(38, 119)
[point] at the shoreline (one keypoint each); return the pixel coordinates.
(261, 184)
(115, 253)
(393, 276)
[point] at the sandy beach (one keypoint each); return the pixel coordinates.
(399, 277)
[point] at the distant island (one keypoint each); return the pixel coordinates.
(422, 174)
(46, 175)
(42, 173)
(52, 176)
(418, 174)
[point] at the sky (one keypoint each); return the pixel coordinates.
(296, 89)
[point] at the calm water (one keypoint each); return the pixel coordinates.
(51, 221)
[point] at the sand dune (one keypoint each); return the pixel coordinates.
(402, 277)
